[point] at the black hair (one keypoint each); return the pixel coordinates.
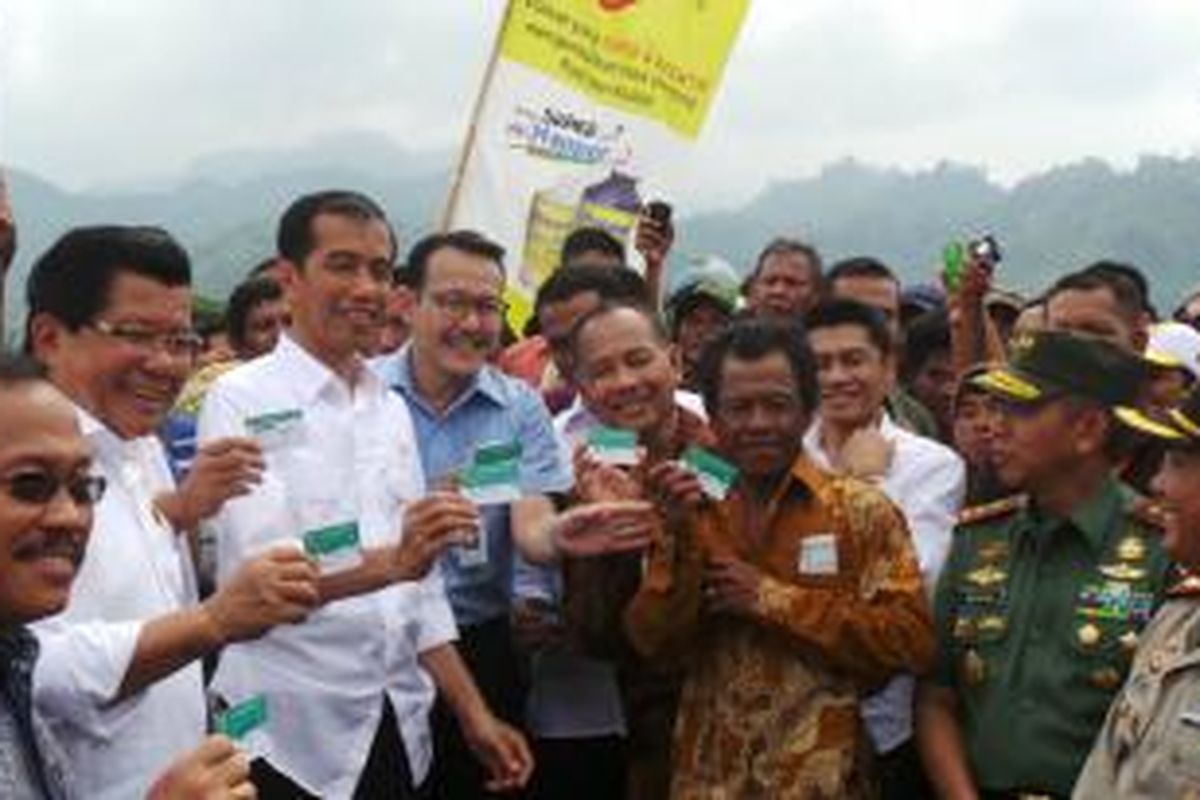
(245, 298)
(928, 335)
(17, 369)
(563, 284)
(1128, 272)
(834, 313)
(471, 242)
(71, 281)
(295, 238)
(585, 240)
(861, 267)
(609, 307)
(784, 246)
(263, 268)
(752, 339)
(1129, 300)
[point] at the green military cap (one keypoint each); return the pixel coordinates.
(1180, 426)
(1049, 364)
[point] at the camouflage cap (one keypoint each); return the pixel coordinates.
(1049, 364)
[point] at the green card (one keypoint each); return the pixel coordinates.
(335, 546)
(614, 446)
(716, 475)
(238, 722)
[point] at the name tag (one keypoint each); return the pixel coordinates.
(277, 428)
(818, 555)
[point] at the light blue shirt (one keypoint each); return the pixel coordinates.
(493, 409)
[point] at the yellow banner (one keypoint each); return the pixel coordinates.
(660, 59)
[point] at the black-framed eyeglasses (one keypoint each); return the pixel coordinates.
(177, 343)
(459, 305)
(37, 487)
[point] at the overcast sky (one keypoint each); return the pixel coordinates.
(112, 91)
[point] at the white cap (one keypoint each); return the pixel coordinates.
(1174, 344)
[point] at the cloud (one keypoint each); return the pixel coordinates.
(114, 90)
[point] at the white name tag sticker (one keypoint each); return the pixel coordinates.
(277, 428)
(818, 555)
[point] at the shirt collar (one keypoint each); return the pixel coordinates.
(807, 474)
(1093, 518)
(310, 375)
(487, 382)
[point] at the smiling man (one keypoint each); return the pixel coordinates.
(351, 689)
(854, 434)
(120, 679)
(459, 403)
(46, 506)
(784, 601)
(1146, 749)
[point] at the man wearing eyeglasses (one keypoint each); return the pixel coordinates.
(120, 678)
(458, 403)
(47, 494)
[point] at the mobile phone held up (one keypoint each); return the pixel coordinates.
(985, 250)
(659, 211)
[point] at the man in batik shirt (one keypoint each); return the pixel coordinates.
(786, 601)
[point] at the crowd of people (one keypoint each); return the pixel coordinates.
(808, 533)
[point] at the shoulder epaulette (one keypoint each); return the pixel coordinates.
(1184, 583)
(997, 508)
(1146, 510)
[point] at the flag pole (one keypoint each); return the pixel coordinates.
(460, 167)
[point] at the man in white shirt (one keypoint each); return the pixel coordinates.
(349, 692)
(119, 680)
(853, 434)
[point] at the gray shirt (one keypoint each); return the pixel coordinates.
(1149, 746)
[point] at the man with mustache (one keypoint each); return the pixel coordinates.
(350, 690)
(120, 678)
(46, 506)
(1147, 747)
(1043, 596)
(783, 600)
(459, 402)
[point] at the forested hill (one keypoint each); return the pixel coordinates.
(224, 212)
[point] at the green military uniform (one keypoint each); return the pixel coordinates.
(1039, 615)
(1038, 619)
(1149, 746)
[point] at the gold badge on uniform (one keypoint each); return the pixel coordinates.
(1129, 642)
(1131, 548)
(974, 668)
(992, 551)
(986, 576)
(1088, 635)
(993, 625)
(1106, 679)
(1124, 572)
(964, 628)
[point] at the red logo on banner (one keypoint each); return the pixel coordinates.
(616, 5)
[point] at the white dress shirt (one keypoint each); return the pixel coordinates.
(136, 569)
(348, 456)
(927, 481)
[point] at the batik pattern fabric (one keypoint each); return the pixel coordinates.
(770, 704)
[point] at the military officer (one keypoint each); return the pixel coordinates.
(1149, 746)
(1044, 594)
